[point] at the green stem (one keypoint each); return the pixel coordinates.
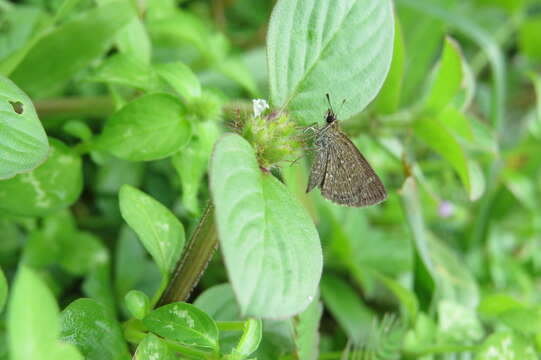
(99, 106)
(194, 261)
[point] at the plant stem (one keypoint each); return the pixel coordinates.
(194, 260)
(98, 106)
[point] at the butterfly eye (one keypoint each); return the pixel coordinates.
(330, 117)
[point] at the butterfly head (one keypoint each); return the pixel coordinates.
(330, 116)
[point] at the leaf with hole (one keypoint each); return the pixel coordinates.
(23, 142)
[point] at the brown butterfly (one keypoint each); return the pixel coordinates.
(340, 170)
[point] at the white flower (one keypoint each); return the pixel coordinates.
(259, 106)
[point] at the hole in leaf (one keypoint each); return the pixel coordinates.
(17, 106)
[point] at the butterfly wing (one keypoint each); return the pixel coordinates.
(349, 178)
(318, 169)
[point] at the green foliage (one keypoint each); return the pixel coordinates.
(118, 182)
(23, 138)
(309, 61)
(261, 227)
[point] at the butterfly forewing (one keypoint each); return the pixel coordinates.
(341, 171)
(349, 178)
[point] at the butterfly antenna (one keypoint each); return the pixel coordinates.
(329, 101)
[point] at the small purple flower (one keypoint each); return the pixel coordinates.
(446, 209)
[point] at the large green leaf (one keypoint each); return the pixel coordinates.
(160, 231)
(70, 48)
(270, 245)
(343, 47)
(184, 323)
(52, 186)
(23, 143)
(32, 321)
(151, 127)
(93, 328)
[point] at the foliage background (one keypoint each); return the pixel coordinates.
(133, 95)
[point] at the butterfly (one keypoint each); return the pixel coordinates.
(340, 170)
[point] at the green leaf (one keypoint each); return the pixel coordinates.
(536, 79)
(98, 286)
(307, 331)
(424, 268)
(23, 143)
(219, 303)
(433, 133)
(54, 185)
(81, 252)
(523, 320)
(269, 242)
(341, 47)
(529, 37)
(149, 128)
(94, 330)
(123, 69)
(138, 304)
(476, 33)
(3, 290)
(181, 78)
(448, 79)
(45, 68)
(133, 41)
(457, 122)
(505, 346)
(153, 348)
(237, 71)
(249, 342)
(347, 308)
(159, 230)
(388, 98)
(32, 320)
(184, 323)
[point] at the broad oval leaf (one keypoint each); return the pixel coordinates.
(32, 320)
(50, 63)
(184, 323)
(52, 186)
(270, 245)
(151, 127)
(159, 230)
(23, 143)
(343, 47)
(153, 348)
(93, 328)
